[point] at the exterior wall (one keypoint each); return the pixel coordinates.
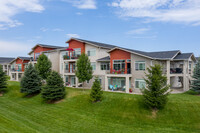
(100, 53)
(138, 74)
(119, 55)
(39, 49)
(20, 61)
(55, 60)
(76, 44)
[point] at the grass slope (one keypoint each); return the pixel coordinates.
(116, 113)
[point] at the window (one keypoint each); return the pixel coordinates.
(105, 66)
(140, 65)
(66, 66)
(74, 66)
(128, 60)
(26, 66)
(93, 64)
(100, 80)
(140, 83)
(88, 81)
(118, 64)
(67, 79)
(92, 52)
(77, 52)
(37, 55)
(19, 67)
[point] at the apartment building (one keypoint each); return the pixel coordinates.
(5, 62)
(123, 70)
(19, 64)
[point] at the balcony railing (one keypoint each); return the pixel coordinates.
(119, 71)
(176, 70)
(69, 71)
(16, 70)
(66, 57)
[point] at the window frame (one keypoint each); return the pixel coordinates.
(119, 64)
(139, 81)
(93, 64)
(105, 66)
(138, 68)
(91, 51)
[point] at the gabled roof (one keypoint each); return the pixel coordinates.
(22, 58)
(5, 60)
(183, 56)
(45, 46)
(104, 59)
(98, 44)
(160, 55)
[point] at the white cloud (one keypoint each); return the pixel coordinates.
(83, 4)
(43, 29)
(138, 31)
(10, 8)
(57, 29)
(73, 35)
(187, 11)
(79, 13)
(14, 48)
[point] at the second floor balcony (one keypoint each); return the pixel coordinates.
(67, 57)
(176, 70)
(122, 71)
(15, 70)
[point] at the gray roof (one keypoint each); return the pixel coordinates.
(183, 56)
(49, 46)
(104, 59)
(5, 60)
(24, 58)
(104, 45)
(162, 55)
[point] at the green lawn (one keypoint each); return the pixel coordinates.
(116, 113)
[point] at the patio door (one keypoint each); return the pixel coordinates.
(73, 81)
(71, 67)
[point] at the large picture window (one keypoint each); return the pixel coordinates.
(140, 83)
(92, 52)
(118, 64)
(37, 55)
(140, 65)
(77, 52)
(105, 66)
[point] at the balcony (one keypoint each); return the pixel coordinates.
(119, 71)
(16, 70)
(66, 57)
(176, 70)
(70, 71)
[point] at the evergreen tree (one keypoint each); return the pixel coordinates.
(31, 81)
(196, 76)
(84, 68)
(96, 92)
(155, 94)
(43, 66)
(3, 79)
(54, 89)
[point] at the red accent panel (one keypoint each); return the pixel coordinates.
(39, 49)
(76, 44)
(20, 61)
(119, 55)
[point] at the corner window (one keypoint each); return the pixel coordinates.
(140, 83)
(37, 55)
(105, 66)
(140, 65)
(91, 52)
(93, 64)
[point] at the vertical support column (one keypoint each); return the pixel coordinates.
(76, 82)
(17, 77)
(127, 84)
(63, 71)
(168, 72)
(106, 83)
(185, 79)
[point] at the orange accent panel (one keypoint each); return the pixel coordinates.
(119, 55)
(76, 44)
(39, 49)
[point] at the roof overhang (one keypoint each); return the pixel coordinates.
(85, 42)
(130, 52)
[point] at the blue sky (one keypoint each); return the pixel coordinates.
(153, 25)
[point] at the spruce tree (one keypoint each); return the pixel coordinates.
(196, 78)
(54, 89)
(31, 81)
(43, 66)
(3, 79)
(156, 91)
(84, 68)
(96, 92)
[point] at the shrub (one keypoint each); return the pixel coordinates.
(54, 89)
(96, 92)
(3, 79)
(155, 94)
(31, 81)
